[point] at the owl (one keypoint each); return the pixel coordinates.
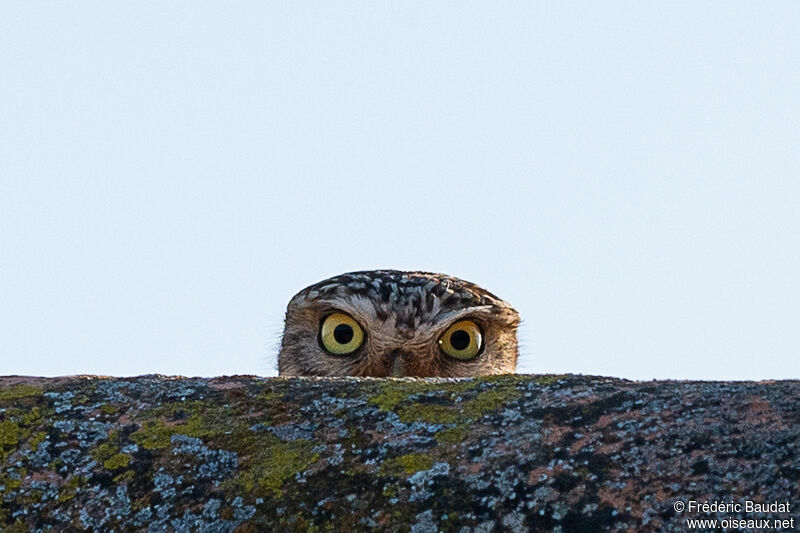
(385, 323)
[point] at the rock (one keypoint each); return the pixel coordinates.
(503, 453)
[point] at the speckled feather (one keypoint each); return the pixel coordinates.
(402, 313)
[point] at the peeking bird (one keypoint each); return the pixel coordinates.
(390, 323)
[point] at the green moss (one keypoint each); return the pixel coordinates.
(505, 379)
(115, 462)
(283, 462)
(389, 398)
(37, 439)
(108, 409)
(152, 435)
(30, 417)
(406, 464)
(105, 450)
(15, 392)
(463, 411)
(155, 434)
(172, 410)
(80, 399)
(125, 477)
(490, 400)
(393, 393)
(271, 464)
(270, 396)
(430, 413)
(548, 379)
(70, 488)
(198, 425)
(11, 483)
(203, 422)
(17, 527)
(10, 434)
(66, 496)
(454, 435)
(16, 428)
(109, 455)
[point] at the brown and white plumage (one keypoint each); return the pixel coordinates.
(403, 324)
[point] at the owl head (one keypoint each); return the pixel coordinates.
(391, 323)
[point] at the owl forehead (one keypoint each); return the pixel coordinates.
(411, 298)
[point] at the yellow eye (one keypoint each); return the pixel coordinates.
(462, 340)
(341, 334)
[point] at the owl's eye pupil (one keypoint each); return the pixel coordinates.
(343, 333)
(459, 339)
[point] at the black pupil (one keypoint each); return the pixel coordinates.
(343, 333)
(459, 339)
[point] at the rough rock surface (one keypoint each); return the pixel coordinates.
(509, 453)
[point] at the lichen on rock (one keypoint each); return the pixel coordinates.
(502, 453)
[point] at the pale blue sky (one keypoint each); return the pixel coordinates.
(624, 173)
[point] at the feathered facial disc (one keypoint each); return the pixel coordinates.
(391, 323)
